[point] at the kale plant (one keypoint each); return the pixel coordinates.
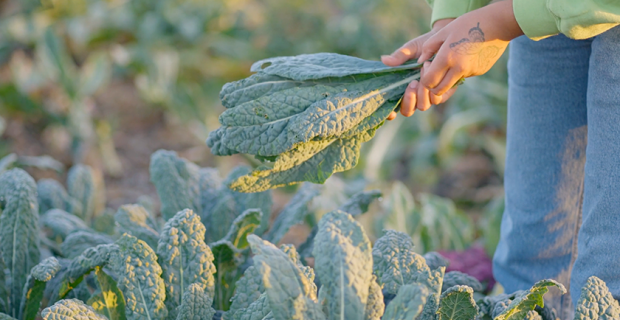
(306, 116)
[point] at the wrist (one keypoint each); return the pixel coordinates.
(504, 14)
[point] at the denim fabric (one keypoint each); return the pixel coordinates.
(562, 166)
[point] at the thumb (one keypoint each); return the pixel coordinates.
(410, 50)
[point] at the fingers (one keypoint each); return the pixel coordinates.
(423, 99)
(392, 116)
(437, 99)
(448, 94)
(434, 72)
(430, 47)
(449, 80)
(408, 104)
(408, 51)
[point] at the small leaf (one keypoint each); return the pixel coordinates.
(81, 186)
(110, 301)
(528, 300)
(359, 202)
(290, 292)
(342, 254)
(242, 226)
(139, 278)
(457, 278)
(80, 240)
(184, 257)
(19, 232)
(35, 285)
(435, 260)
(457, 303)
(52, 195)
(177, 183)
(407, 304)
(61, 223)
(82, 265)
(133, 219)
(395, 263)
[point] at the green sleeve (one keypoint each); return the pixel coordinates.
(443, 9)
(577, 19)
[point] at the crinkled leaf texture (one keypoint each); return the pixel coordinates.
(35, 285)
(196, 304)
(52, 195)
(139, 278)
(312, 161)
(80, 240)
(434, 260)
(177, 182)
(73, 272)
(70, 309)
(395, 263)
(432, 281)
(19, 232)
(258, 310)
(81, 187)
(320, 65)
(528, 300)
(342, 254)
(4, 291)
(133, 219)
(291, 294)
(310, 113)
(61, 223)
(374, 306)
(184, 257)
(408, 303)
(457, 278)
(596, 302)
(248, 290)
(457, 303)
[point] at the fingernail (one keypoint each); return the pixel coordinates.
(385, 57)
(413, 85)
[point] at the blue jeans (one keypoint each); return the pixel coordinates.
(562, 178)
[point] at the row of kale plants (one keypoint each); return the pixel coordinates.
(211, 254)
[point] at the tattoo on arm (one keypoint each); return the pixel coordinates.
(474, 45)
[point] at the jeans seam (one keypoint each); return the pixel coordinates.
(574, 253)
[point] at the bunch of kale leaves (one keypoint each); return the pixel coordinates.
(306, 116)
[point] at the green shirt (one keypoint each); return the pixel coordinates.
(539, 19)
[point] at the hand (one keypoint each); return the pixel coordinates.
(412, 50)
(468, 46)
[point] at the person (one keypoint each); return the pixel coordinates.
(562, 177)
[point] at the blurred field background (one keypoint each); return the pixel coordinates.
(108, 82)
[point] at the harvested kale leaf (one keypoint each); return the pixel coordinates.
(307, 114)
